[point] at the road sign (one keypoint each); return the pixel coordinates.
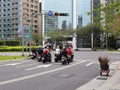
(50, 13)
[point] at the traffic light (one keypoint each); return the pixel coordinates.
(61, 14)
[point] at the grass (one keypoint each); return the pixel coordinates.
(3, 58)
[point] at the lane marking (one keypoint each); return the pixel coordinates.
(39, 74)
(12, 64)
(25, 65)
(39, 67)
(89, 64)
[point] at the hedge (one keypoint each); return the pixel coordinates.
(10, 42)
(15, 48)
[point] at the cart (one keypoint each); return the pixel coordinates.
(104, 66)
(104, 69)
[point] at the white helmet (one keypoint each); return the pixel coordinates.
(57, 46)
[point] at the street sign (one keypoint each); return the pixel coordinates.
(50, 13)
(20, 31)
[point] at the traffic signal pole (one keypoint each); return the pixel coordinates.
(74, 14)
(43, 22)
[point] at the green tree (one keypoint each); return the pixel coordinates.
(109, 19)
(59, 35)
(37, 38)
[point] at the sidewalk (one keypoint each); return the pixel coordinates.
(112, 83)
(105, 83)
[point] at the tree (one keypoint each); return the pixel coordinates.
(109, 19)
(85, 34)
(37, 38)
(59, 35)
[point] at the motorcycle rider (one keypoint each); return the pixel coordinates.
(34, 53)
(69, 52)
(40, 52)
(46, 52)
(58, 52)
(64, 54)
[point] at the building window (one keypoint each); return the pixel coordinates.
(8, 4)
(36, 7)
(4, 15)
(8, 9)
(8, 14)
(31, 1)
(8, 19)
(4, 10)
(4, 5)
(36, 31)
(31, 6)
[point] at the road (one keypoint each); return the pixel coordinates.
(33, 75)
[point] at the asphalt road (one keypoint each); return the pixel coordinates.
(32, 75)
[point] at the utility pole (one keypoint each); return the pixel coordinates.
(91, 20)
(74, 14)
(43, 22)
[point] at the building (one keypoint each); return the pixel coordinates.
(64, 26)
(51, 23)
(14, 15)
(79, 21)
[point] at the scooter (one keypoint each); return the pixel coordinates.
(64, 60)
(57, 58)
(46, 58)
(39, 57)
(33, 56)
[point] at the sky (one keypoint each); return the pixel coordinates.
(65, 6)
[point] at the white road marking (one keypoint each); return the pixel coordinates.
(89, 64)
(39, 74)
(12, 64)
(25, 65)
(39, 67)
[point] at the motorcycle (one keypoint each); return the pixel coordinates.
(64, 60)
(39, 57)
(57, 57)
(70, 57)
(46, 58)
(33, 56)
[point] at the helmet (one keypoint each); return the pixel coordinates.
(57, 46)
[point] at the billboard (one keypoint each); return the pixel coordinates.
(23, 30)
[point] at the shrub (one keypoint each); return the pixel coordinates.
(14, 48)
(103, 60)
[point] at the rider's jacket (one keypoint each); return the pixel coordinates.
(45, 51)
(40, 50)
(69, 51)
(57, 51)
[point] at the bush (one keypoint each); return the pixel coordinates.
(15, 48)
(10, 42)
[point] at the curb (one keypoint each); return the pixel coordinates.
(112, 83)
